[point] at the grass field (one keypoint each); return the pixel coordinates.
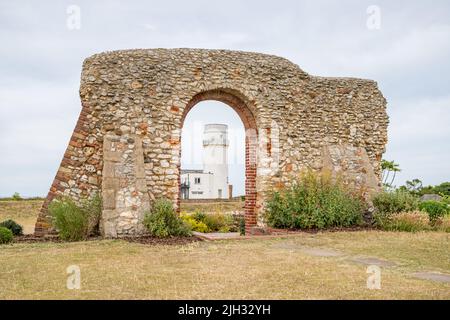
(260, 268)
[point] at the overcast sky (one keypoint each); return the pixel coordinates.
(407, 51)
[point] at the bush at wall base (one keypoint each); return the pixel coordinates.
(163, 222)
(315, 200)
(76, 221)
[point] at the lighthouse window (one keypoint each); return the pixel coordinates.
(197, 180)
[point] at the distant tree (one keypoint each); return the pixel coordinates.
(389, 167)
(427, 190)
(443, 188)
(16, 196)
(414, 186)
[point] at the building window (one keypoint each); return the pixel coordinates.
(197, 180)
(197, 192)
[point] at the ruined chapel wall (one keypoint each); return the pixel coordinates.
(145, 93)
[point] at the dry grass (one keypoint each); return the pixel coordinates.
(443, 224)
(254, 269)
(412, 251)
(23, 212)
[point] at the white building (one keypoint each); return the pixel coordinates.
(212, 181)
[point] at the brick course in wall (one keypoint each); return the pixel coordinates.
(293, 120)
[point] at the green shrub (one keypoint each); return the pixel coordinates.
(16, 228)
(215, 221)
(218, 222)
(233, 222)
(194, 224)
(224, 229)
(408, 222)
(393, 202)
(6, 235)
(163, 222)
(280, 212)
(445, 199)
(211, 222)
(199, 216)
(74, 221)
(435, 209)
(314, 201)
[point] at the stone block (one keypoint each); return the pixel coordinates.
(109, 199)
(111, 156)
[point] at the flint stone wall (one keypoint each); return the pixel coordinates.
(135, 101)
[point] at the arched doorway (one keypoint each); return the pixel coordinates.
(237, 102)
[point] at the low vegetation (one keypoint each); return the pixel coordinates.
(76, 221)
(15, 228)
(8, 230)
(408, 222)
(389, 203)
(195, 225)
(162, 221)
(6, 235)
(443, 224)
(435, 209)
(211, 222)
(400, 210)
(314, 201)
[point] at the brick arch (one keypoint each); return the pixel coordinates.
(238, 103)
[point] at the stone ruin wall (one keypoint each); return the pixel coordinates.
(126, 143)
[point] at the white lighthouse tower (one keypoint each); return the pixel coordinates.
(215, 158)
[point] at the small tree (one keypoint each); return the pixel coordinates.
(389, 167)
(414, 186)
